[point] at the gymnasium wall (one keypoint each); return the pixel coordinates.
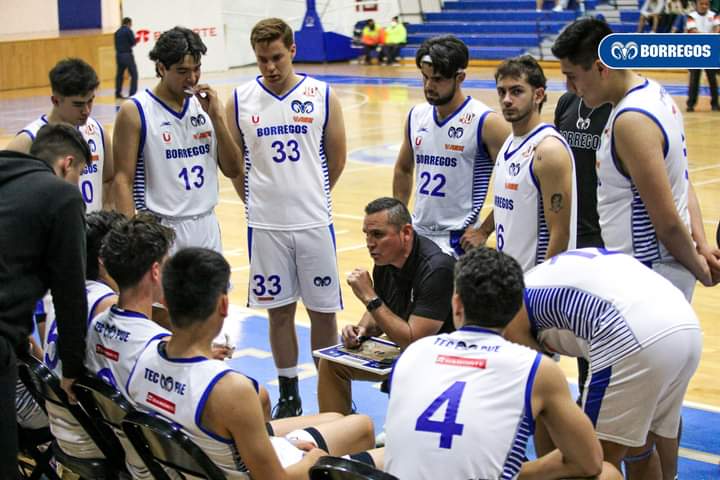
(33, 17)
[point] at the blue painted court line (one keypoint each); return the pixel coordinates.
(701, 430)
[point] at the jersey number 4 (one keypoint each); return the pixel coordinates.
(448, 427)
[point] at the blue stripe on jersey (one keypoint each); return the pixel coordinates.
(201, 407)
(482, 171)
(409, 129)
(507, 153)
(323, 157)
(589, 317)
(452, 115)
(327, 107)
(29, 133)
(102, 136)
(543, 232)
(599, 382)
(249, 241)
(181, 114)
(257, 79)
(646, 247)
(91, 312)
(139, 180)
(39, 308)
(666, 146)
(526, 427)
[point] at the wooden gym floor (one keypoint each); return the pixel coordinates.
(375, 102)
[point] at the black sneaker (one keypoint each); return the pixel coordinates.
(289, 404)
(690, 109)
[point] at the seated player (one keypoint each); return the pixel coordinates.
(100, 289)
(491, 392)
(216, 406)
(623, 318)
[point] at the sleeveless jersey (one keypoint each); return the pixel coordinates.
(178, 389)
(602, 305)
(96, 292)
(452, 167)
(520, 226)
(287, 185)
(91, 177)
(176, 170)
(115, 339)
(452, 393)
(624, 221)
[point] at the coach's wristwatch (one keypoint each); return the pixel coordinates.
(374, 304)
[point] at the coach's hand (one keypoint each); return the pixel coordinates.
(350, 334)
(362, 285)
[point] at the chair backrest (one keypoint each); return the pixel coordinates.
(335, 468)
(102, 400)
(44, 386)
(157, 439)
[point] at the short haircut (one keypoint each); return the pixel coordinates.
(490, 285)
(524, 66)
(448, 54)
(73, 76)
(98, 225)
(398, 214)
(193, 280)
(579, 41)
(126, 21)
(131, 247)
(56, 140)
(174, 44)
(271, 29)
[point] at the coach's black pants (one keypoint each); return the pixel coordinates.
(8, 421)
(694, 87)
(125, 61)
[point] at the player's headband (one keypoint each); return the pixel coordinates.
(427, 59)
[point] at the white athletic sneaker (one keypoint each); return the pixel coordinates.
(557, 8)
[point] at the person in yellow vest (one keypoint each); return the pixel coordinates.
(370, 39)
(395, 39)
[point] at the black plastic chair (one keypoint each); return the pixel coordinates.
(335, 468)
(44, 386)
(106, 404)
(158, 440)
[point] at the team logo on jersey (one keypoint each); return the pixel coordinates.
(455, 132)
(167, 138)
(197, 120)
(514, 169)
(527, 153)
(302, 107)
(423, 130)
(92, 145)
(165, 124)
(310, 91)
(255, 119)
(418, 141)
(322, 281)
(89, 129)
(454, 148)
(466, 118)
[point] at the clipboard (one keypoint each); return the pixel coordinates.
(374, 355)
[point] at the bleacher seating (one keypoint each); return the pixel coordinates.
(498, 29)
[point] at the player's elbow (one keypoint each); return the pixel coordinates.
(591, 464)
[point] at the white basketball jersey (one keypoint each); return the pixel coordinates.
(287, 185)
(520, 226)
(96, 292)
(602, 305)
(452, 167)
(176, 171)
(178, 389)
(624, 221)
(114, 342)
(91, 177)
(460, 407)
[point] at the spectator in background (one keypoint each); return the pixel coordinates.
(560, 5)
(702, 20)
(124, 43)
(370, 39)
(651, 10)
(395, 39)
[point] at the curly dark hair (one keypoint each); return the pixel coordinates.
(132, 246)
(579, 41)
(98, 225)
(73, 76)
(448, 54)
(490, 285)
(174, 44)
(193, 280)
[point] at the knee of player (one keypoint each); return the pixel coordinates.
(363, 426)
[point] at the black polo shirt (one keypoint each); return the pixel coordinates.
(423, 286)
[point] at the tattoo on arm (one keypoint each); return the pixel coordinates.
(556, 202)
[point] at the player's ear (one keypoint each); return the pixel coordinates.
(224, 305)
(293, 51)
(458, 310)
